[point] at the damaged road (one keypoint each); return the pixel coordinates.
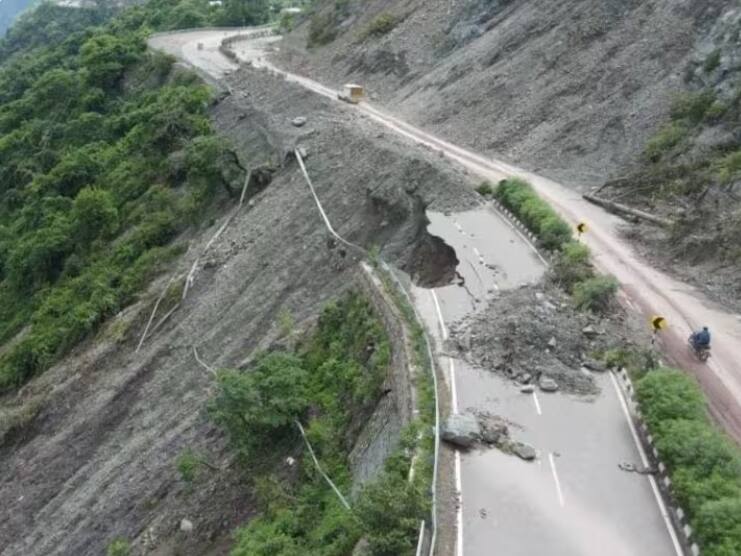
(573, 499)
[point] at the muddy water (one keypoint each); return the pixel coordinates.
(573, 500)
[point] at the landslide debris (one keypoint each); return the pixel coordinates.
(534, 336)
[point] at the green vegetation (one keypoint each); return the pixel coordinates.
(324, 25)
(712, 61)
(664, 140)
(518, 196)
(107, 156)
(705, 466)
(331, 384)
(572, 265)
(119, 547)
(595, 294)
(485, 189)
(636, 361)
(188, 464)
(380, 25)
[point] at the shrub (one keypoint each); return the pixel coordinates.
(595, 294)
(718, 527)
(390, 510)
(518, 196)
(704, 464)
(187, 464)
(692, 107)
(668, 394)
(380, 25)
(322, 29)
(636, 361)
(712, 61)
(665, 139)
(572, 265)
(119, 547)
(258, 408)
(485, 189)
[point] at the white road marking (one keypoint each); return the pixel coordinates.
(537, 404)
(443, 329)
(477, 252)
(460, 229)
(644, 460)
(453, 388)
(555, 478)
(459, 516)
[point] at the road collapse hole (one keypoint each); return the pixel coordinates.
(433, 262)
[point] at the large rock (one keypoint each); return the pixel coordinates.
(299, 122)
(594, 365)
(524, 451)
(590, 331)
(493, 429)
(547, 384)
(462, 430)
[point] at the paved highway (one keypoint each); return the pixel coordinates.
(574, 499)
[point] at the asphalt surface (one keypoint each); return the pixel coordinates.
(574, 500)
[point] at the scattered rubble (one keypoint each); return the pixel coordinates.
(535, 337)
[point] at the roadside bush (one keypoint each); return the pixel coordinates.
(667, 394)
(704, 464)
(518, 196)
(572, 265)
(719, 527)
(636, 361)
(595, 294)
(390, 510)
(485, 189)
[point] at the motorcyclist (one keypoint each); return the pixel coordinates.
(701, 339)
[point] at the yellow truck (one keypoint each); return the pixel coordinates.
(351, 93)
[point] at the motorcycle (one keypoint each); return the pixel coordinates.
(701, 352)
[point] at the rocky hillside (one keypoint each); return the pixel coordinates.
(572, 88)
(641, 95)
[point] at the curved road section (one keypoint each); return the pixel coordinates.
(573, 500)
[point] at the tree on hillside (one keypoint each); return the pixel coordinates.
(245, 12)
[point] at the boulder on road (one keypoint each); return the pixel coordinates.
(461, 430)
(493, 429)
(524, 451)
(527, 389)
(594, 365)
(299, 122)
(547, 384)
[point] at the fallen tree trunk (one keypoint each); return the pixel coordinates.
(623, 209)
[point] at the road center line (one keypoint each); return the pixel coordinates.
(644, 460)
(537, 404)
(555, 478)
